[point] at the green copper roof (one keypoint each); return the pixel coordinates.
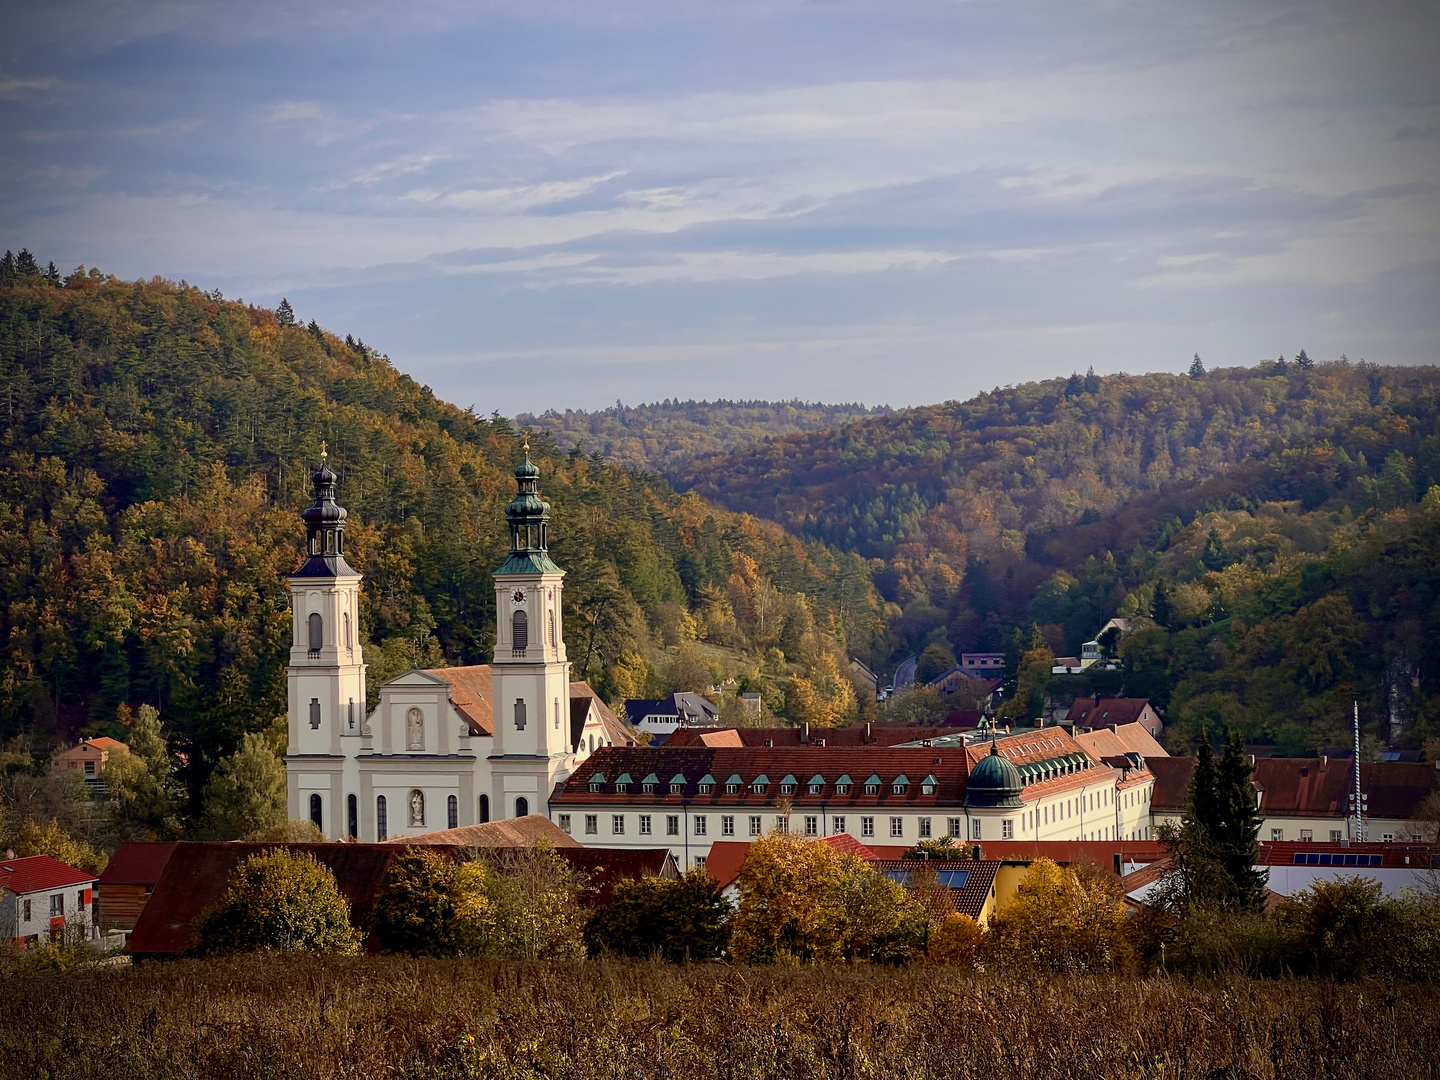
(623, 778)
(528, 562)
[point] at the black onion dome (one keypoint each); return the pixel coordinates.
(994, 781)
(324, 527)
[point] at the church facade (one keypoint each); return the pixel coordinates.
(443, 747)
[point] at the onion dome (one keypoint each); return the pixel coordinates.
(994, 781)
(528, 516)
(324, 527)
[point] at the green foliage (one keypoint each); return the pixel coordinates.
(934, 661)
(49, 838)
(246, 792)
(536, 899)
(433, 906)
(678, 920)
(278, 901)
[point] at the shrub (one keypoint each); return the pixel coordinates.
(1064, 919)
(955, 939)
(432, 906)
(675, 920)
(535, 897)
(278, 901)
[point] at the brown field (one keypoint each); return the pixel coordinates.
(392, 1017)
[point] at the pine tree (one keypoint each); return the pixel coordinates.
(1280, 367)
(26, 268)
(7, 268)
(1237, 837)
(315, 331)
(246, 791)
(1092, 381)
(52, 275)
(1074, 386)
(147, 742)
(1197, 369)
(1303, 361)
(285, 314)
(1203, 808)
(1215, 556)
(1160, 609)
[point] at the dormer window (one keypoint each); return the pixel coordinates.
(597, 783)
(650, 784)
(817, 784)
(706, 785)
(677, 784)
(901, 785)
(842, 786)
(760, 785)
(622, 783)
(787, 786)
(872, 786)
(928, 785)
(732, 786)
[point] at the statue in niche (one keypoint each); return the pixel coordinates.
(417, 807)
(414, 730)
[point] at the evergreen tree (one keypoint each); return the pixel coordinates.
(247, 790)
(147, 742)
(1303, 361)
(1092, 381)
(1074, 386)
(26, 268)
(1203, 807)
(52, 275)
(7, 268)
(285, 314)
(1215, 556)
(1197, 369)
(1237, 836)
(1160, 608)
(1280, 367)
(315, 331)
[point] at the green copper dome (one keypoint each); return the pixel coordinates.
(993, 782)
(528, 516)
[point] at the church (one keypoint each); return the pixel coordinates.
(443, 747)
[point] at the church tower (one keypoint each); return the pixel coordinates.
(531, 672)
(326, 674)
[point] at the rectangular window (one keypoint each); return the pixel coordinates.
(26, 916)
(1334, 836)
(701, 824)
(812, 825)
(867, 826)
(953, 828)
(838, 824)
(565, 822)
(700, 861)
(617, 824)
(727, 825)
(1007, 829)
(975, 829)
(592, 824)
(1277, 834)
(672, 824)
(782, 825)
(57, 904)
(1307, 834)
(924, 828)
(80, 900)
(897, 826)
(644, 824)
(754, 824)
(1387, 837)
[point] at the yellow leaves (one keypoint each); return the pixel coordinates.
(1064, 918)
(955, 939)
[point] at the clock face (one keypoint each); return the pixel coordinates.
(518, 596)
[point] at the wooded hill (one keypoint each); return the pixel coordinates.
(156, 445)
(1280, 506)
(664, 436)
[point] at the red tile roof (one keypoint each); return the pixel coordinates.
(607, 866)
(1172, 783)
(107, 743)
(38, 873)
(1122, 739)
(1102, 853)
(949, 767)
(1311, 787)
(136, 863)
(1398, 856)
(510, 833)
(470, 693)
(1088, 713)
(970, 898)
(855, 735)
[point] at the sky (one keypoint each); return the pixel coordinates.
(561, 205)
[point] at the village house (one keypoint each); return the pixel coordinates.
(43, 899)
(88, 759)
(126, 883)
(665, 715)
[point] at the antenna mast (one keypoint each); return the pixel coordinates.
(1356, 799)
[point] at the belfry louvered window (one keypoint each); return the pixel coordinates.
(519, 633)
(316, 627)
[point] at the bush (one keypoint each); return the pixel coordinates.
(432, 906)
(535, 896)
(278, 901)
(955, 939)
(1068, 918)
(675, 920)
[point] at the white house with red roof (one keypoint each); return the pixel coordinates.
(41, 898)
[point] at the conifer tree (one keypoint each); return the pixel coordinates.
(1197, 369)
(285, 314)
(7, 268)
(1203, 808)
(1303, 361)
(1280, 367)
(1215, 555)
(1239, 825)
(26, 268)
(1092, 381)
(52, 275)
(1160, 608)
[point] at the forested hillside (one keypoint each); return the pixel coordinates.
(1277, 509)
(664, 436)
(157, 445)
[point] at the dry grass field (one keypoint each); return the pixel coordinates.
(391, 1017)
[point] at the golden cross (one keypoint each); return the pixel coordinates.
(323, 454)
(525, 443)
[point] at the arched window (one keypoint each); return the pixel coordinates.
(519, 633)
(522, 806)
(452, 812)
(520, 714)
(552, 629)
(592, 744)
(348, 643)
(557, 714)
(381, 820)
(314, 712)
(484, 809)
(315, 811)
(317, 634)
(352, 816)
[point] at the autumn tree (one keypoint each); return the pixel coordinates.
(536, 900)
(278, 901)
(1064, 919)
(433, 905)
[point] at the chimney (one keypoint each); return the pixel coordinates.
(804, 732)
(867, 731)
(1114, 727)
(1097, 699)
(1324, 760)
